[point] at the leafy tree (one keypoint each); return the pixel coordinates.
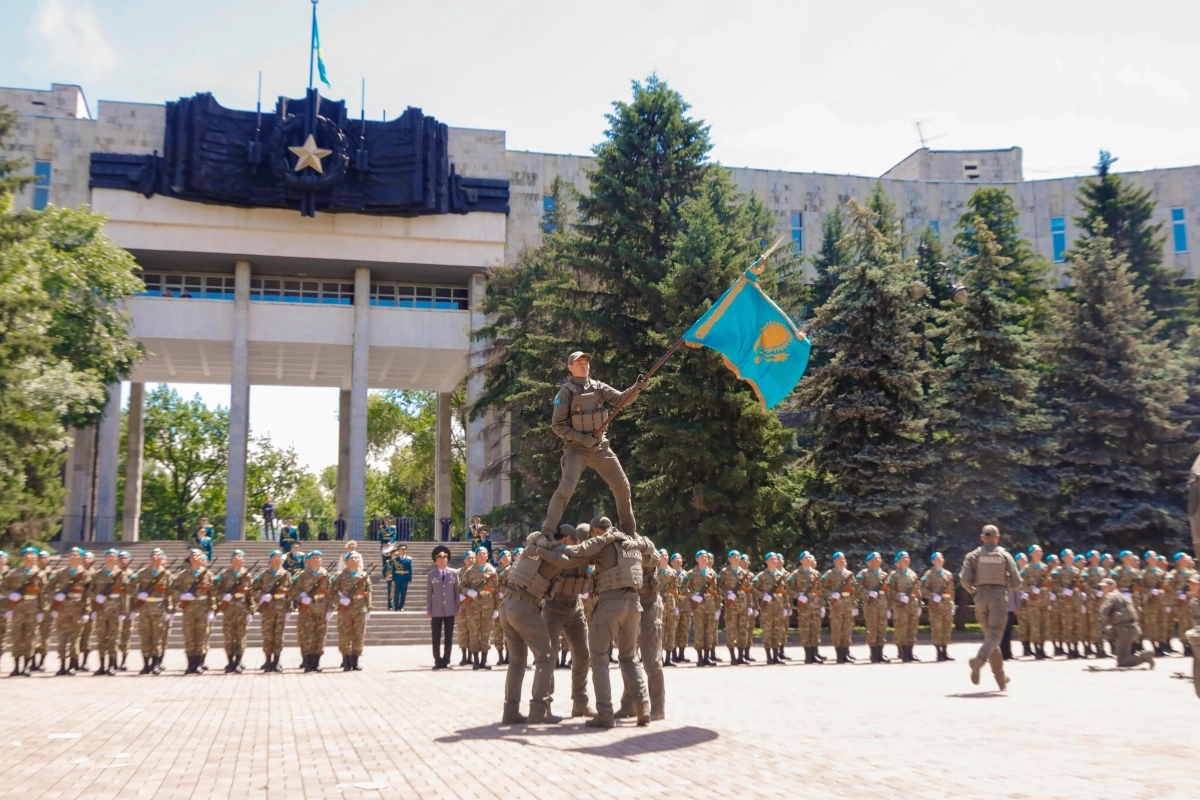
(862, 484)
(995, 434)
(272, 472)
(1121, 212)
(1113, 383)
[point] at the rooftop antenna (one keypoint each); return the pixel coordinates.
(360, 158)
(924, 140)
(256, 145)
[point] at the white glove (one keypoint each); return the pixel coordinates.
(185, 596)
(1024, 595)
(8, 615)
(717, 615)
(53, 615)
(99, 599)
(472, 593)
(872, 594)
(1068, 592)
(226, 597)
(287, 615)
(345, 601)
(304, 598)
(822, 612)
(40, 616)
(143, 596)
(584, 596)
(1083, 609)
(328, 616)
(766, 598)
(749, 611)
(1099, 593)
(93, 616)
(58, 598)
(836, 595)
(803, 598)
(209, 616)
(249, 617)
(1037, 590)
(904, 599)
(1183, 595)
(854, 612)
(266, 598)
(168, 617)
(730, 596)
(366, 616)
(677, 612)
(937, 598)
(462, 597)
(495, 614)
(1154, 592)
(120, 618)
(1053, 596)
(697, 598)
(889, 614)
(133, 615)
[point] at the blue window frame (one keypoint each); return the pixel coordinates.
(41, 188)
(798, 231)
(1179, 229)
(936, 228)
(1058, 236)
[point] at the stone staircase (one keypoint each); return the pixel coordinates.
(410, 626)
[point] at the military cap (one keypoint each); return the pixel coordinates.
(314, 554)
(28, 550)
(77, 551)
(935, 554)
(238, 553)
(441, 550)
(125, 554)
(837, 555)
(112, 551)
(874, 555)
(732, 553)
(1124, 553)
(276, 553)
(1033, 547)
(1064, 552)
(899, 556)
(1178, 556)
(578, 354)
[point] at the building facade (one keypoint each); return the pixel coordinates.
(239, 293)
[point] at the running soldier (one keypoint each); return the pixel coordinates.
(989, 573)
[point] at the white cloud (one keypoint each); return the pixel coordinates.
(71, 36)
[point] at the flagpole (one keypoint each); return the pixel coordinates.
(311, 48)
(679, 342)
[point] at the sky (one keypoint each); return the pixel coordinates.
(791, 85)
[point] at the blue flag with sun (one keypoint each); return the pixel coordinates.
(759, 341)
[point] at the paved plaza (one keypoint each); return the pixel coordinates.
(398, 730)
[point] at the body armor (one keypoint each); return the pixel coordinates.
(570, 584)
(990, 569)
(627, 574)
(526, 575)
(587, 411)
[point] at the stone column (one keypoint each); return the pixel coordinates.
(108, 453)
(239, 407)
(442, 461)
(343, 463)
(134, 443)
(357, 471)
(79, 509)
(478, 501)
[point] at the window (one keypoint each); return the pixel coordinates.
(196, 287)
(1058, 236)
(935, 228)
(1179, 228)
(548, 213)
(971, 170)
(41, 188)
(798, 231)
(391, 295)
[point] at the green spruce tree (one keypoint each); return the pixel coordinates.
(1112, 383)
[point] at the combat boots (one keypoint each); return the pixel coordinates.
(604, 721)
(513, 717)
(841, 654)
(1072, 652)
(466, 659)
(62, 667)
(1039, 652)
(946, 653)
(746, 659)
(316, 663)
(193, 662)
(1100, 651)
(99, 670)
(158, 665)
(668, 661)
(124, 657)
(735, 658)
(1087, 649)
(147, 665)
(483, 661)
(713, 658)
(809, 656)
(231, 662)
(682, 657)
(73, 667)
(782, 655)
(16, 667)
(582, 709)
(770, 656)
(540, 715)
(912, 656)
(354, 664)
(1026, 650)
(976, 666)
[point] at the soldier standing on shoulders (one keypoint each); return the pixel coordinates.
(353, 591)
(938, 585)
(988, 572)
(234, 585)
(194, 590)
(838, 585)
(153, 606)
(271, 588)
(579, 412)
(874, 598)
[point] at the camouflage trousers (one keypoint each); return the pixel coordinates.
(1092, 627)
(841, 622)
(941, 622)
(905, 618)
(153, 628)
(670, 621)
(479, 624)
(1071, 612)
(1179, 620)
(774, 624)
(273, 623)
(85, 636)
(875, 619)
(351, 628)
(197, 628)
(1037, 615)
(311, 629)
(704, 620)
(683, 623)
(126, 635)
(464, 633)
(498, 631)
(1154, 619)
(43, 635)
(108, 631)
(1022, 623)
(809, 619)
(737, 623)
(68, 624)
(24, 628)
(234, 620)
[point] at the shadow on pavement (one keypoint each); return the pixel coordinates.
(978, 695)
(639, 744)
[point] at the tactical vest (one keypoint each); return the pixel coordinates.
(653, 581)
(570, 583)
(526, 576)
(991, 568)
(587, 409)
(627, 574)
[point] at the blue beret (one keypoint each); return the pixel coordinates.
(125, 554)
(1149, 553)
(314, 554)
(1063, 553)
(241, 553)
(1106, 555)
(1093, 553)
(732, 553)
(1033, 547)
(899, 555)
(1178, 556)
(77, 551)
(838, 554)
(29, 550)
(504, 553)
(873, 555)
(935, 555)
(275, 553)
(158, 550)
(675, 556)
(1124, 553)
(4, 553)
(112, 551)
(699, 553)
(805, 555)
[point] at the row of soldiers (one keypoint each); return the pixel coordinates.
(85, 602)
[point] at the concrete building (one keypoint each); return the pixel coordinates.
(241, 296)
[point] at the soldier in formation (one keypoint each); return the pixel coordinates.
(937, 584)
(312, 590)
(234, 585)
(153, 606)
(479, 606)
(271, 589)
(352, 588)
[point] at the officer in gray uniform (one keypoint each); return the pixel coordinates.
(988, 572)
(1118, 616)
(563, 612)
(529, 582)
(578, 413)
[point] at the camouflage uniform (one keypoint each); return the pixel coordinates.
(154, 605)
(479, 585)
(312, 592)
(650, 642)
(69, 605)
(24, 587)
(1180, 616)
(498, 630)
(1118, 612)
(195, 598)
(702, 583)
(804, 589)
(352, 616)
(1154, 586)
(45, 622)
(235, 587)
(938, 586)
(1089, 580)
(464, 629)
(108, 592)
(683, 621)
(1036, 577)
(904, 594)
(669, 581)
(874, 599)
(734, 603)
(838, 586)
(771, 595)
(1067, 593)
(270, 594)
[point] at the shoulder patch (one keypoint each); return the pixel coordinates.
(558, 401)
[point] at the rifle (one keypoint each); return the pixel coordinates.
(322, 580)
(262, 605)
(137, 604)
(367, 578)
(243, 587)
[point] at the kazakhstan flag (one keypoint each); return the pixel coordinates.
(759, 342)
(316, 45)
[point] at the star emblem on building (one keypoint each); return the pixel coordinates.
(309, 155)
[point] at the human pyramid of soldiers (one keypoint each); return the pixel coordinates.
(83, 603)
